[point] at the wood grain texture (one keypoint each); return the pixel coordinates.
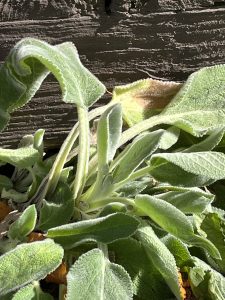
(50, 9)
(129, 44)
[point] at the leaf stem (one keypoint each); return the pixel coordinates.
(104, 249)
(60, 160)
(91, 115)
(62, 292)
(83, 154)
(133, 131)
(139, 173)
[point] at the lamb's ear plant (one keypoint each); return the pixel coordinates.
(135, 215)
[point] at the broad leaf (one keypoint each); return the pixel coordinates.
(28, 262)
(148, 283)
(135, 154)
(144, 98)
(178, 249)
(58, 209)
(173, 221)
(188, 169)
(161, 257)
(199, 105)
(21, 158)
(108, 135)
(93, 276)
(169, 138)
(27, 65)
(209, 143)
(192, 200)
(105, 230)
(24, 224)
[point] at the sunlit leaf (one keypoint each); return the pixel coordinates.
(28, 262)
(93, 276)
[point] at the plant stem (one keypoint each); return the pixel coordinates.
(83, 154)
(64, 154)
(140, 173)
(62, 292)
(91, 115)
(60, 160)
(133, 131)
(104, 249)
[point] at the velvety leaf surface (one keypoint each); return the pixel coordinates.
(173, 221)
(93, 276)
(209, 143)
(188, 169)
(27, 65)
(108, 134)
(105, 229)
(135, 154)
(189, 200)
(143, 98)
(178, 249)
(28, 262)
(161, 257)
(24, 224)
(58, 210)
(21, 157)
(169, 138)
(199, 105)
(148, 283)
(31, 292)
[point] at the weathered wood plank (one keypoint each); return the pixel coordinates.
(51, 9)
(146, 6)
(119, 49)
(48, 9)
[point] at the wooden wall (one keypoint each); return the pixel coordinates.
(119, 41)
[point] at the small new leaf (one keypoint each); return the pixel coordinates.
(24, 224)
(108, 135)
(133, 155)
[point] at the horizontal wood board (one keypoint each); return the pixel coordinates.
(119, 41)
